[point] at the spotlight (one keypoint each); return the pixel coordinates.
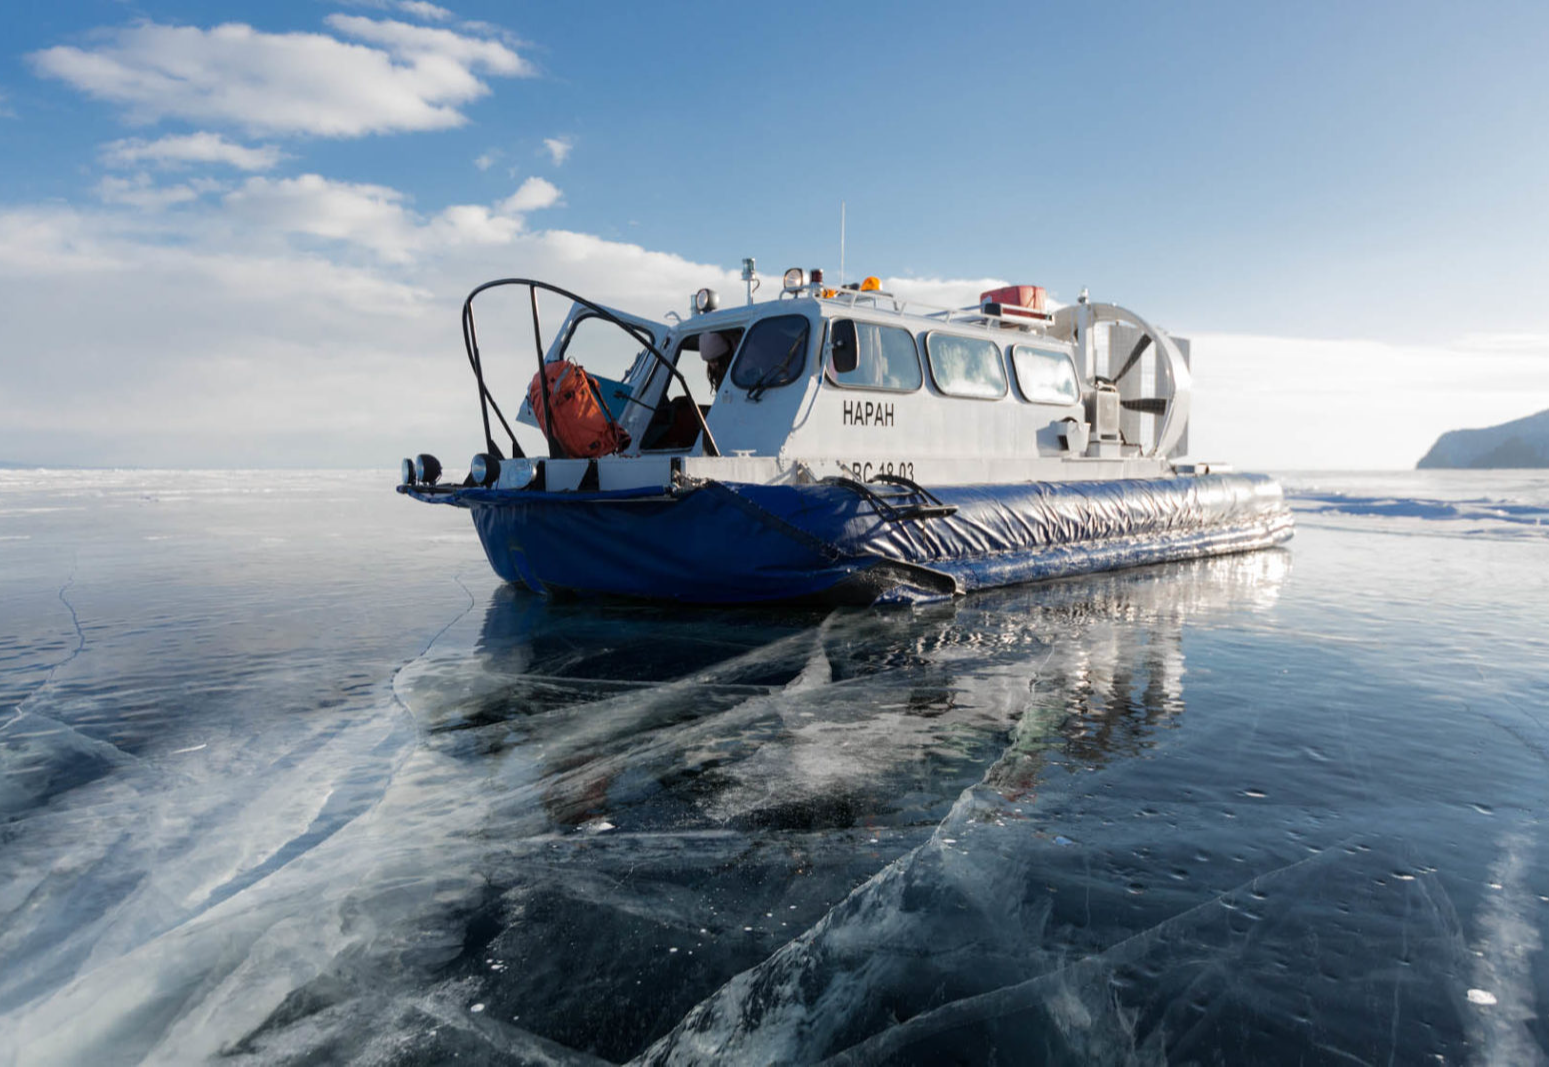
(484, 469)
(427, 468)
(406, 472)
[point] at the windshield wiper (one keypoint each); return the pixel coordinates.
(766, 380)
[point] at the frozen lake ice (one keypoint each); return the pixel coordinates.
(286, 776)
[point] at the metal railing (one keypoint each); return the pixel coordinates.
(487, 401)
(873, 298)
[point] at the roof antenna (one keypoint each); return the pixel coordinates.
(841, 244)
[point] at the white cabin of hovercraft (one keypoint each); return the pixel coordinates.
(856, 381)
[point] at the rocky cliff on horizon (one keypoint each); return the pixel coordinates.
(1520, 443)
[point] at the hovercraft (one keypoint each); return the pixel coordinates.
(843, 445)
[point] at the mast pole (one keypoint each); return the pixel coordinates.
(841, 244)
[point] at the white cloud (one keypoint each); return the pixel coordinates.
(181, 150)
(1505, 342)
(141, 191)
(532, 195)
(419, 9)
(471, 224)
(423, 10)
(6, 111)
(372, 216)
(415, 78)
(445, 53)
(490, 29)
(204, 338)
(49, 242)
(379, 218)
(558, 148)
(487, 159)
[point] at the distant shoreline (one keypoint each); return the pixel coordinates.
(1522, 444)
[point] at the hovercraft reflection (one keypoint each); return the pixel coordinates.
(729, 802)
(833, 463)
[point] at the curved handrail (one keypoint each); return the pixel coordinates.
(487, 401)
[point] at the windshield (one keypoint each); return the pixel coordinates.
(773, 354)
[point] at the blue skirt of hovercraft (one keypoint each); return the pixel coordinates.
(729, 543)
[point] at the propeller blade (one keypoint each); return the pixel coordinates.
(1134, 356)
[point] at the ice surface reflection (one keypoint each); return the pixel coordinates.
(677, 796)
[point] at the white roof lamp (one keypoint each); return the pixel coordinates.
(795, 279)
(1087, 315)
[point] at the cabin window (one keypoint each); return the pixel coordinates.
(966, 366)
(1045, 377)
(609, 353)
(604, 348)
(863, 355)
(774, 353)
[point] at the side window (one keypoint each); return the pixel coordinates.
(690, 360)
(1045, 377)
(867, 356)
(674, 425)
(773, 353)
(603, 348)
(610, 354)
(966, 366)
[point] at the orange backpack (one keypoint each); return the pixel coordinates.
(583, 428)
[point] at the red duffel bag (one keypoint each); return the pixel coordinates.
(583, 428)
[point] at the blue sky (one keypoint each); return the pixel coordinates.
(1347, 205)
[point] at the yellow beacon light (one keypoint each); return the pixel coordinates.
(871, 285)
